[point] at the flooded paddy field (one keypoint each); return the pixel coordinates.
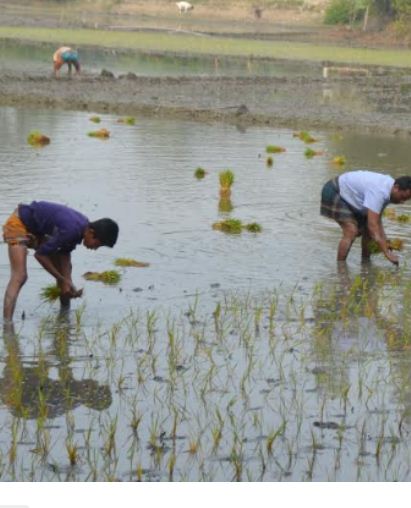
(230, 357)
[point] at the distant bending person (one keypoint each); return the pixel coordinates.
(53, 231)
(356, 200)
(65, 55)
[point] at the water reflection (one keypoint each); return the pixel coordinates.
(30, 391)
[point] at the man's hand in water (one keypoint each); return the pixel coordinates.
(395, 260)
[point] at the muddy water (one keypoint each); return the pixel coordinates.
(170, 356)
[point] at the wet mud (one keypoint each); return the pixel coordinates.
(377, 101)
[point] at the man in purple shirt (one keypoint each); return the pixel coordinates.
(53, 231)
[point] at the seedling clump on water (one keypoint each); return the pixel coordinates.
(274, 149)
(339, 160)
(130, 262)
(108, 277)
(101, 133)
(128, 120)
(226, 181)
(305, 136)
(253, 227)
(200, 173)
(233, 226)
(95, 119)
(269, 161)
(309, 153)
(36, 138)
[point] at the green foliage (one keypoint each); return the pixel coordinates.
(343, 12)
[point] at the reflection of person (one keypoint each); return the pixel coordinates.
(29, 392)
(356, 201)
(53, 231)
(65, 55)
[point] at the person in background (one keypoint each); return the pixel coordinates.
(53, 231)
(356, 200)
(65, 55)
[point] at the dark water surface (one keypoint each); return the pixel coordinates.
(149, 353)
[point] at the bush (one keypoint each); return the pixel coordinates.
(343, 12)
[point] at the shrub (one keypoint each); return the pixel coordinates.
(343, 12)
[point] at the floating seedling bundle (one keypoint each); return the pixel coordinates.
(36, 138)
(200, 173)
(226, 179)
(235, 226)
(274, 149)
(101, 133)
(127, 262)
(108, 277)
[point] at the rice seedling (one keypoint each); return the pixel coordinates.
(226, 179)
(107, 277)
(72, 453)
(101, 134)
(127, 262)
(404, 218)
(231, 226)
(339, 160)
(305, 136)
(50, 293)
(393, 244)
(225, 205)
(95, 119)
(274, 149)
(253, 227)
(310, 153)
(200, 173)
(127, 120)
(36, 138)
(269, 162)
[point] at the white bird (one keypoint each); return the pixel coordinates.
(184, 6)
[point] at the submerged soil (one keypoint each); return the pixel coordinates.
(374, 99)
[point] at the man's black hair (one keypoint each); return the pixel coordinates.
(403, 182)
(106, 230)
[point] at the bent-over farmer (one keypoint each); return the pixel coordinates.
(356, 200)
(65, 55)
(53, 231)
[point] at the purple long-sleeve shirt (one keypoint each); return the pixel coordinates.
(61, 227)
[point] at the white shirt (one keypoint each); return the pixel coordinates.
(366, 190)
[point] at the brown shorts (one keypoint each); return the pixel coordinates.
(16, 233)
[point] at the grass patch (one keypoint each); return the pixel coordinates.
(225, 46)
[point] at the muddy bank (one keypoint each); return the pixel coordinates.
(361, 103)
